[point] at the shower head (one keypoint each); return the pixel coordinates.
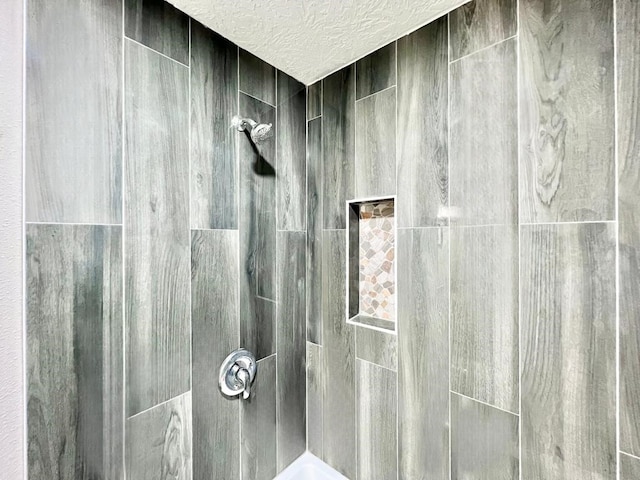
(259, 131)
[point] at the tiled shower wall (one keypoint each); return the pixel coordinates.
(510, 133)
(158, 241)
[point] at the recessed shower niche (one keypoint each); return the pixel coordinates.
(371, 265)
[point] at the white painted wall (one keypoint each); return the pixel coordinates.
(12, 408)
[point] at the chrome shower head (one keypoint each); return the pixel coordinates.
(259, 131)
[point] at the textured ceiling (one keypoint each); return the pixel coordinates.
(309, 39)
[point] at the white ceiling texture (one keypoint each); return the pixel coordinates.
(308, 39)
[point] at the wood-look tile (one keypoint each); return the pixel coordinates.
(338, 145)
(314, 100)
(377, 347)
(214, 102)
(423, 354)
(315, 387)
(159, 444)
(376, 145)
(157, 236)
(568, 351)
(422, 148)
(484, 314)
(377, 398)
(566, 111)
(214, 317)
(484, 132)
(158, 25)
(376, 71)
(291, 153)
(628, 107)
(258, 418)
(257, 78)
(629, 467)
(481, 23)
(73, 113)
(339, 422)
(484, 441)
(291, 347)
(74, 352)
(314, 231)
(257, 223)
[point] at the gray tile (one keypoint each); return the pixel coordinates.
(377, 347)
(73, 136)
(422, 148)
(214, 317)
(376, 71)
(214, 102)
(338, 145)
(257, 223)
(291, 347)
(484, 314)
(291, 152)
(157, 236)
(159, 441)
(481, 23)
(376, 145)
(258, 419)
(257, 78)
(74, 351)
(568, 351)
(314, 231)
(484, 442)
(423, 354)
(314, 100)
(377, 397)
(484, 132)
(160, 26)
(315, 387)
(339, 423)
(628, 105)
(566, 111)
(629, 467)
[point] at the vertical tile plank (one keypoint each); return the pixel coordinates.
(422, 145)
(315, 387)
(159, 441)
(484, 166)
(628, 105)
(214, 317)
(377, 422)
(314, 100)
(376, 145)
(73, 133)
(314, 231)
(214, 102)
(257, 78)
(258, 419)
(484, 441)
(292, 182)
(338, 145)
(74, 347)
(629, 467)
(567, 111)
(158, 25)
(157, 237)
(481, 23)
(484, 314)
(423, 353)
(377, 347)
(291, 347)
(257, 224)
(568, 351)
(376, 71)
(339, 422)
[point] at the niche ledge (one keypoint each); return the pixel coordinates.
(371, 264)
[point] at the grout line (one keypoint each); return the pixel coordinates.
(23, 161)
(450, 432)
(123, 189)
(158, 405)
(628, 455)
(189, 216)
(277, 280)
(238, 245)
(395, 273)
(81, 223)
(595, 222)
(519, 321)
(306, 266)
(483, 49)
(484, 403)
(291, 231)
(376, 93)
(256, 98)
(375, 364)
(214, 229)
(267, 357)
(155, 51)
(317, 116)
(438, 227)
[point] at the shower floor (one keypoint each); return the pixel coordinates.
(309, 467)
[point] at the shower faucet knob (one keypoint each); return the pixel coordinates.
(237, 373)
